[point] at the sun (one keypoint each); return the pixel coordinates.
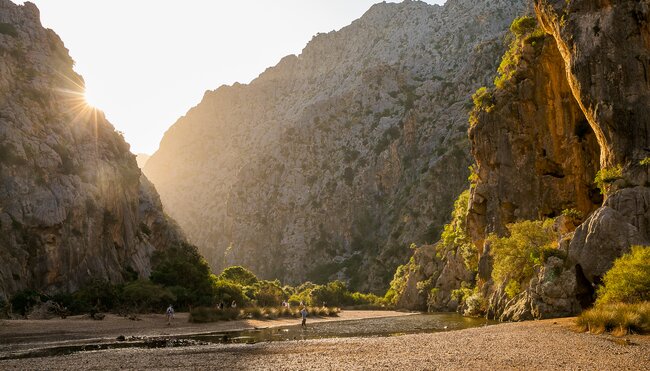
(90, 99)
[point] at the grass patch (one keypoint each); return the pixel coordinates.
(607, 176)
(208, 314)
(620, 319)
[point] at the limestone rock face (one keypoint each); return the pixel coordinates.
(535, 152)
(577, 103)
(73, 203)
(331, 163)
(606, 50)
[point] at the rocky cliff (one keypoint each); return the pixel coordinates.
(570, 112)
(73, 203)
(331, 163)
(562, 134)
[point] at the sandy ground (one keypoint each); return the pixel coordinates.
(535, 345)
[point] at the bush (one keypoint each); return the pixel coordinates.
(268, 293)
(95, 295)
(524, 31)
(512, 289)
(628, 281)
(454, 235)
(523, 25)
(146, 296)
(517, 256)
(333, 294)
(645, 161)
(620, 319)
(398, 284)
(476, 304)
(606, 176)
(23, 301)
(226, 292)
(238, 275)
(573, 214)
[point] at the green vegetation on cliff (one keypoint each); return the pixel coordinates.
(623, 304)
(524, 32)
(517, 256)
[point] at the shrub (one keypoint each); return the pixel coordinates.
(454, 235)
(516, 256)
(268, 293)
(334, 294)
(238, 275)
(226, 292)
(95, 295)
(398, 283)
(523, 25)
(143, 295)
(512, 289)
(23, 301)
(620, 318)
(628, 280)
(606, 176)
(476, 304)
(524, 31)
(573, 214)
(645, 161)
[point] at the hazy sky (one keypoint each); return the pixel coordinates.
(146, 62)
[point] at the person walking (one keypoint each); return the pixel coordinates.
(170, 314)
(303, 312)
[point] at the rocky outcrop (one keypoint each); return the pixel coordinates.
(73, 203)
(574, 103)
(606, 51)
(535, 152)
(330, 164)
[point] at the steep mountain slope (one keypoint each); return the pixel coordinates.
(330, 164)
(73, 203)
(568, 115)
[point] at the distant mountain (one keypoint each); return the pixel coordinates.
(73, 203)
(142, 159)
(331, 163)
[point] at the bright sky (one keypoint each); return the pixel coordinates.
(147, 62)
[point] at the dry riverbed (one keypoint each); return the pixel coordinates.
(549, 344)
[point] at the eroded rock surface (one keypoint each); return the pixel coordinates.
(331, 163)
(73, 203)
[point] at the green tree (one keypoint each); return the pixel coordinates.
(269, 293)
(182, 265)
(516, 256)
(238, 275)
(227, 292)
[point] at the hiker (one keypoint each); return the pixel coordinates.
(170, 314)
(303, 312)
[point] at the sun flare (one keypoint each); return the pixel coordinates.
(90, 99)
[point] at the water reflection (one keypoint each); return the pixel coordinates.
(391, 326)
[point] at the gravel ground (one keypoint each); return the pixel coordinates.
(536, 345)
